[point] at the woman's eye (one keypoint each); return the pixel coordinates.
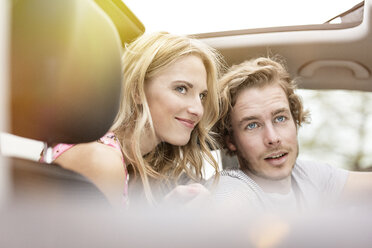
(280, 119)
(181, 89)
(252, 125)
(202, 96)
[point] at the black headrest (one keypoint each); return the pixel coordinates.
(65, 70)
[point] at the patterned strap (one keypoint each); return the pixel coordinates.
(57, 151)
(108, 139)
(111, 140)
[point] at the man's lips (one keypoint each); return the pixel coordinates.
(186, 122)
(276, 155)
(277, 158)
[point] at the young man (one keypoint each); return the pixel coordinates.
(260, 118)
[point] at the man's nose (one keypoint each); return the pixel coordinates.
(272, 137)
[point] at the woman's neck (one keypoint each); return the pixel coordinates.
(147, 142)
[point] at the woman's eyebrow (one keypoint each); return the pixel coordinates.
(185, 82)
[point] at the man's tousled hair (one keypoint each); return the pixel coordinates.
(256, 73)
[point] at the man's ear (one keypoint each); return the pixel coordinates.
(230, 143)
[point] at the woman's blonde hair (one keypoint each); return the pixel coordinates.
(142, 60)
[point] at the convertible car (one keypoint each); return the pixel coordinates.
(326, 53)
(56, 56)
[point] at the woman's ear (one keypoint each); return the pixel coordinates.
(230, 143)
(137, 98)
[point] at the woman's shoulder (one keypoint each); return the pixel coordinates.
(93, 155)
(99, 163)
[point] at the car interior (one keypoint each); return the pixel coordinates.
(64, 74)
(61, 71)
(322, 58)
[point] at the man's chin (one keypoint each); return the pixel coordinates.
(276, 176)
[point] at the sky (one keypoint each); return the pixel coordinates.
(200, 16)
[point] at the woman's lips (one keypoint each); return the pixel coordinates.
(186, 122)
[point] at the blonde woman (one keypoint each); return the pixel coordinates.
(168, 105)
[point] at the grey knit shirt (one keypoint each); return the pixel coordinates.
(314, 184)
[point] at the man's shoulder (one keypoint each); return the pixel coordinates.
(308, 164)
(307, 170)
(318, 174)
(310, 167)
(231, 177)
(319, 181)
(235, 187)
(235, 180)
(232, 173)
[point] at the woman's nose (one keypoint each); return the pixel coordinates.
(196, 108)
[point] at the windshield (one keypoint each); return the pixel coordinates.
(195, 16)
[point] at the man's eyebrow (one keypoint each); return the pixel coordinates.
(248, 118)
(281, 110)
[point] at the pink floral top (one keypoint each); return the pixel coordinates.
(108, 139)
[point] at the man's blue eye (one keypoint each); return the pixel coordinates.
(280, 119)
(252, 125)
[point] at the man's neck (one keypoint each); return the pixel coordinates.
(282, 186)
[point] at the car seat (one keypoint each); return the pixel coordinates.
(64, 87)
